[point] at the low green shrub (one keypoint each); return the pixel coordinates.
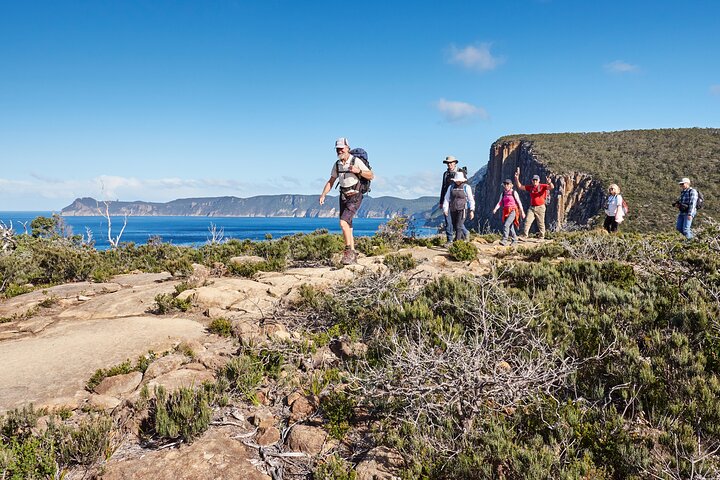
(463, 251)
(400, 262)
(244, 374)
(167, 303)
(27, 451)
(334, 468)
(83, 444)
(180, 415)
(221, 326)
(339, 409)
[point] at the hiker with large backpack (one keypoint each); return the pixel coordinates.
(687, 205)
(353, 174)
(458, 199)
(615, 209)
(512, 211)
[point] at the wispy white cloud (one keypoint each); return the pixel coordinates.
(457, 112)
(618, 66)
(475, 57)
(715, 90)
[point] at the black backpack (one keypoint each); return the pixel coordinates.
(700, 200)
(363, 185)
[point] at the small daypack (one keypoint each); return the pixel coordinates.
(458, 198)
(364, 184)
(700, 200)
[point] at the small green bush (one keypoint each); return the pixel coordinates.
(181, 415)
(339, 409)
(335, 468)
(221, 326)
(167, 303)
(244, 375)
(400, 262)
(83, 444)
(463, 251)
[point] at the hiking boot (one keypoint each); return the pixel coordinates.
(448, 245)
(503, 242)
(348, 257)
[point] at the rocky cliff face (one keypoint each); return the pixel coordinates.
(577, 197)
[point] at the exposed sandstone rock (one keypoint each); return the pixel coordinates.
(123, 303)
(103, 402)
(163, 365)
(345, 349)
(237, 294)
(181, 378)
(119, 385)
(267, 436)
(199, 277)
(214, 456)
(302, 407)
(138, 278)
(307, 439)
(380, 463)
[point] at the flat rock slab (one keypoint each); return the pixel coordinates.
(138, 279)
(60, 361)
(134, 301)
(19, 304)
(213, 456)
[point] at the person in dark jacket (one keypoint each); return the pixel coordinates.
(447, 182)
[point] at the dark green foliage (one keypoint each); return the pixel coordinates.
(30, 453)
(338, 408)
(318, 246)
(400, 262)
(221, 326)
(463, 251)
(244, 375)
(334, 468)
(180, 415)
(168, 303)
(83, 444)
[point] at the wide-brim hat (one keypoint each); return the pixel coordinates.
(459, 177)
(450, 159)
(684, 180)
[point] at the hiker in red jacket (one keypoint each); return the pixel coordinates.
(538, 194)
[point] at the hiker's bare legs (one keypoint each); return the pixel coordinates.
(347, 232)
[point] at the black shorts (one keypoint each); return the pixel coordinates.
(349, 207)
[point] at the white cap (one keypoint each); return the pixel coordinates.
(684, 180)
(459, 177)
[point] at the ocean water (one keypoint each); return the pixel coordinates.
(196, 230)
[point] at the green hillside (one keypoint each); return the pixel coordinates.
(645, 163)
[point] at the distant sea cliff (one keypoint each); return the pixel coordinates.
(306, 206)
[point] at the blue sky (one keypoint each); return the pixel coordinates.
(157, 100)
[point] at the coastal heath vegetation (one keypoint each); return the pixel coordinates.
(49, 254)
(590, 356)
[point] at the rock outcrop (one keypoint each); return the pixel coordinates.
(577, 197)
